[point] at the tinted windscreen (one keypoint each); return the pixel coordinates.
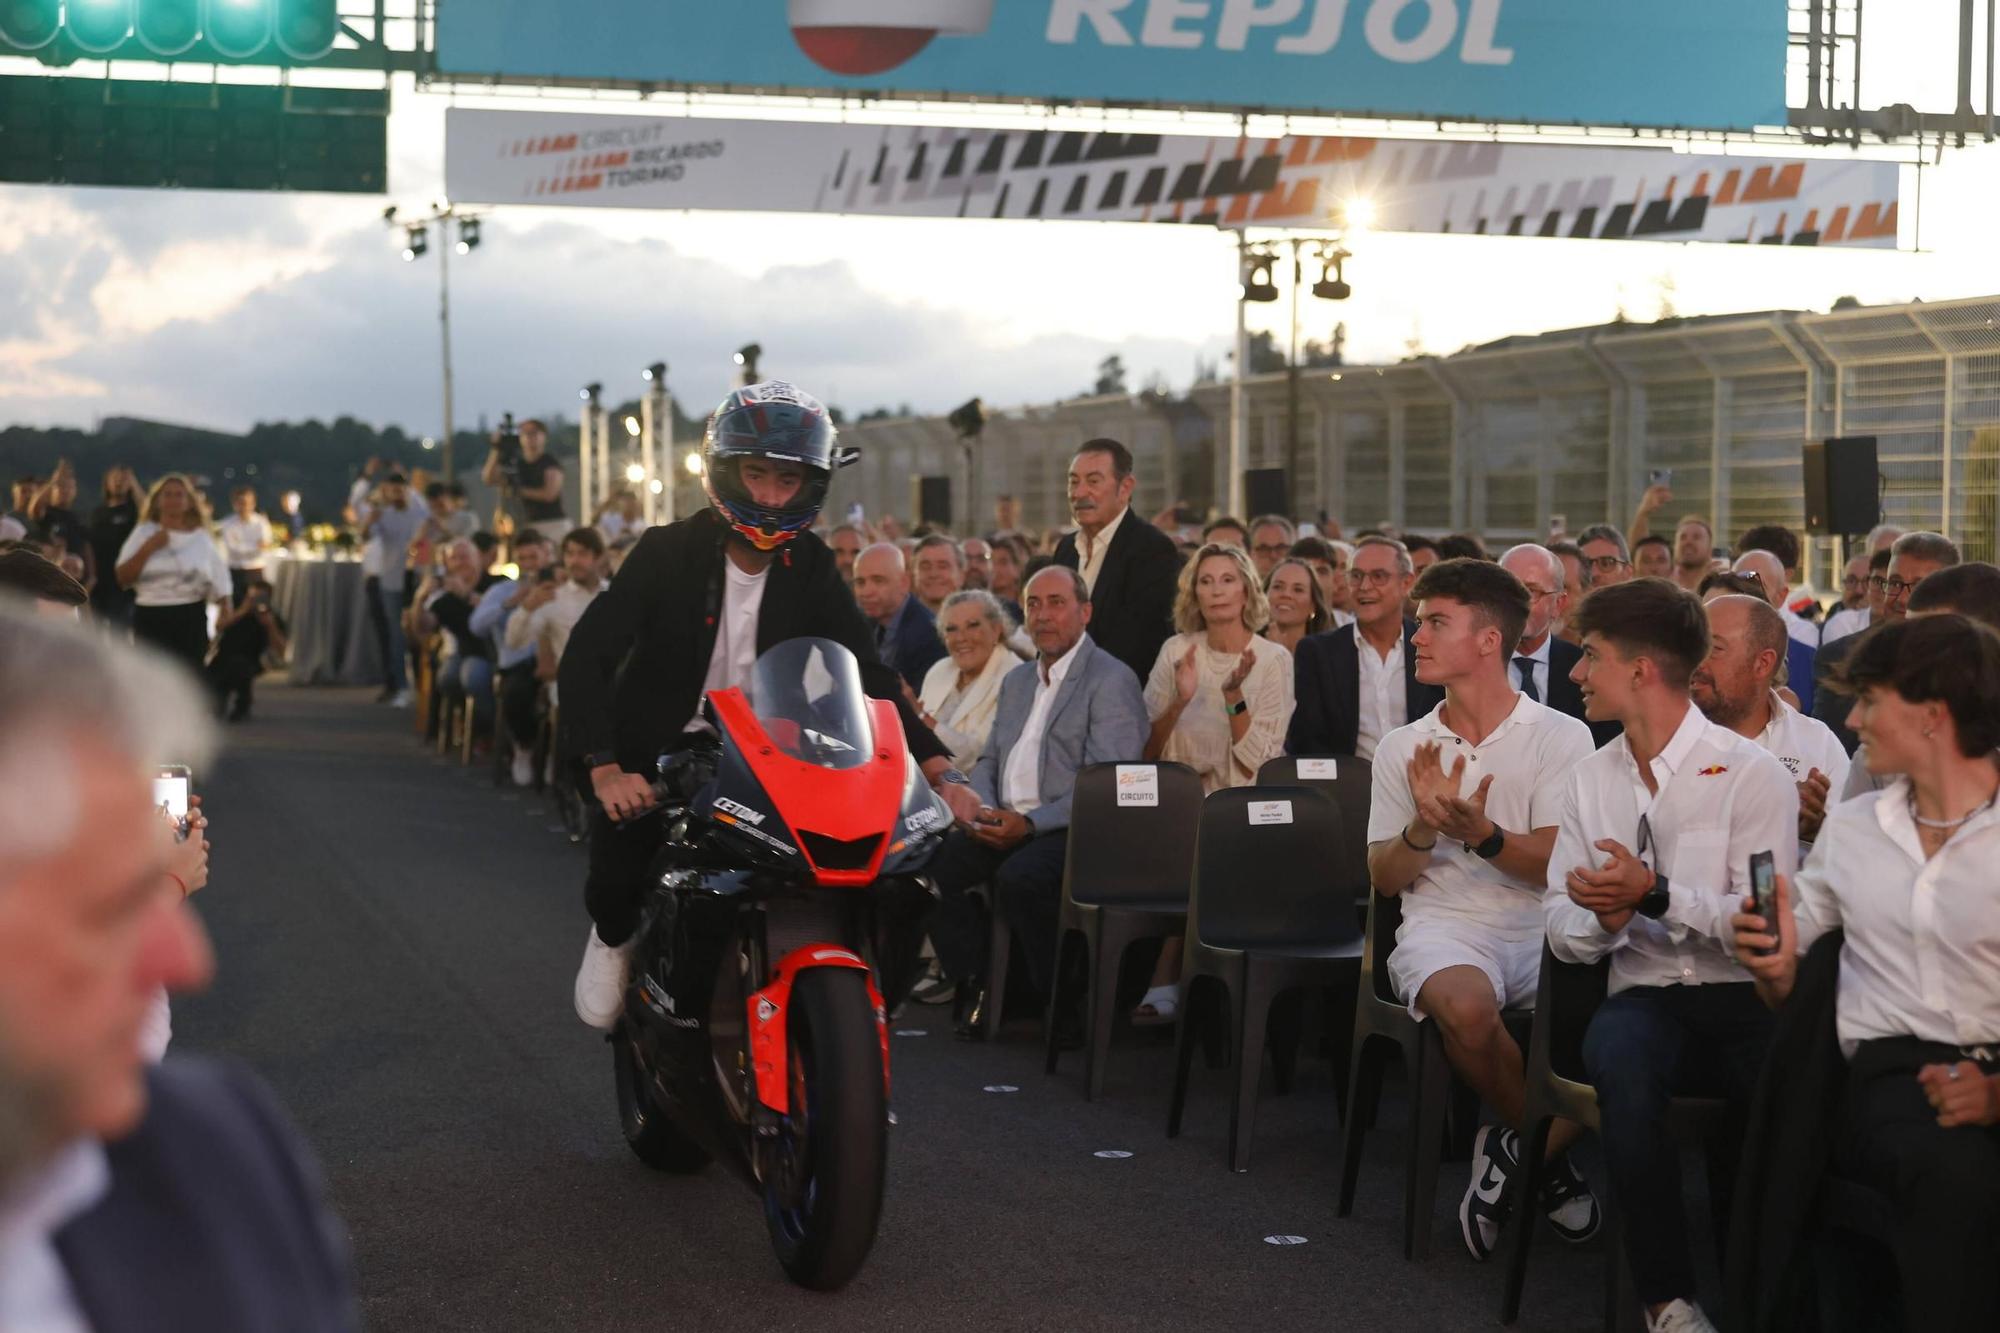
(807, 695)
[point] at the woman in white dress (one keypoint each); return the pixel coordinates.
(1220, 698)
(962, 689)
(174, 569)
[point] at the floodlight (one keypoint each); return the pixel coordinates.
(468, 235)
(656, 486)
(1258, 284)
(1358, 214)
(589, 392)
(634, 473)
(655, 373)
(632, 429)
(416, 241)
(968, 419)
(693, 463)
(1332, 286)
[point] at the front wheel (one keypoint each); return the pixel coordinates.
(823, 1189)
(653, 1138)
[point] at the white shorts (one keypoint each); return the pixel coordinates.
(1511, 959)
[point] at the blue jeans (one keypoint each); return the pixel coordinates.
(1646, 1046)
(469, 678)
(395, 650)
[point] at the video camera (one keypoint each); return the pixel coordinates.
(507, 441)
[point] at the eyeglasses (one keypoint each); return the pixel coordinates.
(1605, 564)
(1380, 578)
(1856, 581)
(1278, 548)
(1895, 589)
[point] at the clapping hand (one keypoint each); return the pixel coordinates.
(1235, 680)
(1187, 675)
(1436, 793)
(1812, 804)
(1613, 889)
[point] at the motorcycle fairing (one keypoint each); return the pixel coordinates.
(770, 1053)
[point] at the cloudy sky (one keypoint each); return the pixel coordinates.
(224, 309)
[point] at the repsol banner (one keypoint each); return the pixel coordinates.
(1306, 181)
(1697, 63)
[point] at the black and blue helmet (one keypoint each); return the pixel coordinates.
(777, 421)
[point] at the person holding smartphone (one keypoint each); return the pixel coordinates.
(1907, 873)
(245, 633)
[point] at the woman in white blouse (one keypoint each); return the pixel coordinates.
(1909, 873)
(1220, 699)
(174, 569)
(962, 689)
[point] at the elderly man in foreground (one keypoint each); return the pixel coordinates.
(131, 1198)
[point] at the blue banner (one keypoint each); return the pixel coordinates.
(1698, 63)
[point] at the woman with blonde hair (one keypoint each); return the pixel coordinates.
(1220, 698)
(174, 570)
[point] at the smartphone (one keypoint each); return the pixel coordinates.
(1764, 891)
(171, 784)
(1558, 525)
(854, 513)
(546, 576)
(1660, 476)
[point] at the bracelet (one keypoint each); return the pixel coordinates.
(1237, 709)
(180, 883)
(1417, 847)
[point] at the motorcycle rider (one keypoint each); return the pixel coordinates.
(690, 611)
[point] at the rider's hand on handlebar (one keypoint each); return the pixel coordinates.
(622, 794)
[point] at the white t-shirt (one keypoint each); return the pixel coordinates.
(189, 568)
(371, 550)
(735, 634)
(1529, 757)
(1843, 623)
(244, 540)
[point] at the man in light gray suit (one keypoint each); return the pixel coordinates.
(1074, 705)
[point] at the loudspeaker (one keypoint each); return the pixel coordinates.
(930, 501)
(1843, 486)
(1265, 492)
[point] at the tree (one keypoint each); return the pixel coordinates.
(1265, 356)
(1110, 376)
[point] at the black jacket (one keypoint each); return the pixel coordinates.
(912, 644)
(1326, 673)
(1832, 706)
(1132, 606)
(1565, 697)
(216, 1219)
(632, 672)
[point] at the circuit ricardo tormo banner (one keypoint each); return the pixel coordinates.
(1717, 64)
(1408, 185)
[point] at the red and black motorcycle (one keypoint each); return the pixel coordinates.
(753, 1029)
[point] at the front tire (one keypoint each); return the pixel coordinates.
(652, 1137)
(823, 1189)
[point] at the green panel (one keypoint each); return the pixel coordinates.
(59, 131)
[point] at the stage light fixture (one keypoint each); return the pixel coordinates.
(589, 392)
(30, 25)
(416, 242)
(746, 357)
(1358, 214)
(1332, 286)
(238, 29)
(1258, 284)
(169, 27)
(968, 419)
(693, 463)
(468, 235)
(634, 473)
(632, 429)
(655, 373)
(656, 486)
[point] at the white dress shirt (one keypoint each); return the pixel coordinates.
(1090, 554)
(1720, 799)
(244, 540)
(35, 1291)
(1385, 699)
(1923, 935)
(1843, 623)
(188, 569)
(1529, 757)
(1798, 627)
(1021, 770)
(1540, 658)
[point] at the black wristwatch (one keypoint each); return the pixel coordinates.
(1654, 905)
(955, 778)
(1491, 848)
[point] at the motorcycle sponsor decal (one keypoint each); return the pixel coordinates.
(662, 1004)
(1138, 785)
(1270, 812)
(928, 817)
(766, 1011)
(835, 956)
(740, 810)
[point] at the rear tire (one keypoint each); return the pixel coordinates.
(653, 1138)
(823, 1189)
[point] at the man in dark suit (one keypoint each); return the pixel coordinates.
(906, 634)
(1129, 566)
(1356, 684)
(130, 1199)
(1542, 662)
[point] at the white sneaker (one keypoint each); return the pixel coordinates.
(600, 982)
(1680, 1317)
(524, 769)
(402, 699)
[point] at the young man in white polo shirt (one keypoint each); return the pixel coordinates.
(1460, 827)
(1651, 862)
(1734, 688)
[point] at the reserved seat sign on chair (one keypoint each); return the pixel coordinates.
(1262, 920)
(1125, 879)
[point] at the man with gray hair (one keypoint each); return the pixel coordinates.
(1606, 561)
(906, 636)
(1542, 662)
(131, 1196)
(1914, 557)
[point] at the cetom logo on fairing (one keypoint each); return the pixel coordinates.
(738, 809)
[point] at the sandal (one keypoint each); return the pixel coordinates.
(1157, 1007)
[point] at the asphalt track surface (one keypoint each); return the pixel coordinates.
(397, 940)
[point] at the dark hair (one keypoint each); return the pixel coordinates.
(1496, 597)
(23, 571)
(1414, 543)
(1313, 548)
(455, 491)
(235, 491)
(530, 537)
(1225, 521)
(395, 479)
(1651, 618)
(1035, 565)
(1462, 546)
(1652, 539)
(437, 490)
(1738, 585)
(939, 539)
(1878, 561)
(1320, 618)
(588, 538)
(1604, 532)
(1776, 538)
(485, 542)
(1121, 457)
(532, 423)
(1945, 658)
(1971, 589)
(1563, 546)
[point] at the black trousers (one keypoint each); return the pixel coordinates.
(1945, 1184)
(521, 704)
(1644, 1047)
(179, 631)
(378, 620)
(1026, 890)
(230, 676)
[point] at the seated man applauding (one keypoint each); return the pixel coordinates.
(1460, 827)
(1651, 862)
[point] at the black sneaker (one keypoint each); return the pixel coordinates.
(1568, 1203)
(1496, 1156)
(935, 988)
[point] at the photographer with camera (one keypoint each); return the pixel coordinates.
(519, 462)
(244, 634)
